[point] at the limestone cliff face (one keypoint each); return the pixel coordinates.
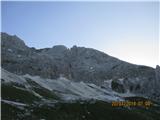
(78, 64)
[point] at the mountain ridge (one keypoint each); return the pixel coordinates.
(68, 48)
(77, 64)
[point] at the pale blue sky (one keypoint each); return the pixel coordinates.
(126, 30)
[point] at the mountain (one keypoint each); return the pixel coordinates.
(37, 82)
(77, 64)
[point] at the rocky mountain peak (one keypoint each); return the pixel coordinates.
(12, 41)
(59, 47)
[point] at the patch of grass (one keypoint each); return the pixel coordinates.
(9, 112)
(79, 111)
(95, 111)
(9, 92)
(42, 91)
(45, 93)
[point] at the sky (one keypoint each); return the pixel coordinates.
(126, 30)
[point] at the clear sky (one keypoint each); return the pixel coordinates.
(126, 30)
